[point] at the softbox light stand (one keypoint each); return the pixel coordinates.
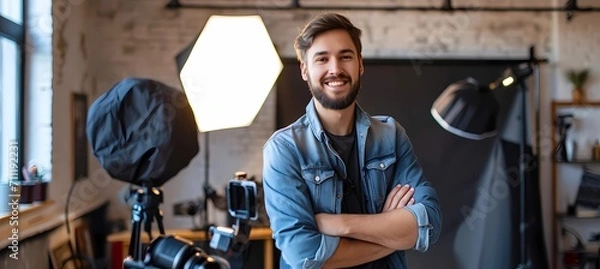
(225, 90)
(466, 109)
(143, 132)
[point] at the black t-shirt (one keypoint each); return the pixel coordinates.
(353, 201)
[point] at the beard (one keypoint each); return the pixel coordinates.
(335, 103)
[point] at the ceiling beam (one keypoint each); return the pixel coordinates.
(571, 7)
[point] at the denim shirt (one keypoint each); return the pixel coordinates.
(302, 177)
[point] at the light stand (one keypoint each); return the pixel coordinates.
(219, 77)
(143, 132)
(525, 261)
(145, 209)
(469, 110)
(205, 225)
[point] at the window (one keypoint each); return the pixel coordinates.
(11, 85)
(38, 87)
(25, 85)
(12, 10)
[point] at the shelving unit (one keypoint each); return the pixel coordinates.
(565, 186)
(562, 215)
(580, 162)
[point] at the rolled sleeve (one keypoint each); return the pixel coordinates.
(324, 252)
(424, 227)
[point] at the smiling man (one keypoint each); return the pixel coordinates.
(343, 189)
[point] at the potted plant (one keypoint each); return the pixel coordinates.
(34, 187)
(578, 78)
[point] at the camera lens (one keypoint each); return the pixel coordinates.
(201, 261)
(178, 253)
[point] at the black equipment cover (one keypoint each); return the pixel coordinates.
(142, 131)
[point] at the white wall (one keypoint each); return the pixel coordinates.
(97, 43)
(70, 74)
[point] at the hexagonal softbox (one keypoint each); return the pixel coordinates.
(229, 71)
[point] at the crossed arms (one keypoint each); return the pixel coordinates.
(367, 237)
(309, 240)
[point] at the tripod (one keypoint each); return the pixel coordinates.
(145, 210)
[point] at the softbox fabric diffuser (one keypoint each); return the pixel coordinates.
(142, 131)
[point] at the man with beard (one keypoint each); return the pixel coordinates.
(343, 189)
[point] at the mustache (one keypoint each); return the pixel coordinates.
(340, 76)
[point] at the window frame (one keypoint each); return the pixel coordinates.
(16, 33)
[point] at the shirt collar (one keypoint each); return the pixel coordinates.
(361, 118)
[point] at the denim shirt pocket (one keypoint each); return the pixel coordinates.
(321, 185)
(379, 177)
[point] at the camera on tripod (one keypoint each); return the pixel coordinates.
(241, 205)
(169, 251)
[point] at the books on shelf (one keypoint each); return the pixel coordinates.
(580, 212)
(587, 212)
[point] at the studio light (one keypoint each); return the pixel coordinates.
(230, 71)
(466, 109)
(469, 110)
(143, 132)
(227, 74)
(512, 75)
(508, 81)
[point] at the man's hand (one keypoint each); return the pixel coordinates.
(399, 197)
(335, 225)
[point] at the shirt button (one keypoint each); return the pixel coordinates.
(381, 165)
(317, 178)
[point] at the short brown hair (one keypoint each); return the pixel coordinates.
(323, 23)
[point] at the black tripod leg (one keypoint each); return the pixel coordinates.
(148, 224)
(159, 220)
(135, 250)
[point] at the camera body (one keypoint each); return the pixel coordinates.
(241, 205)
(168, 251)
(241, 199)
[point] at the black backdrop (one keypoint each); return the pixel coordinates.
(405, 89)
